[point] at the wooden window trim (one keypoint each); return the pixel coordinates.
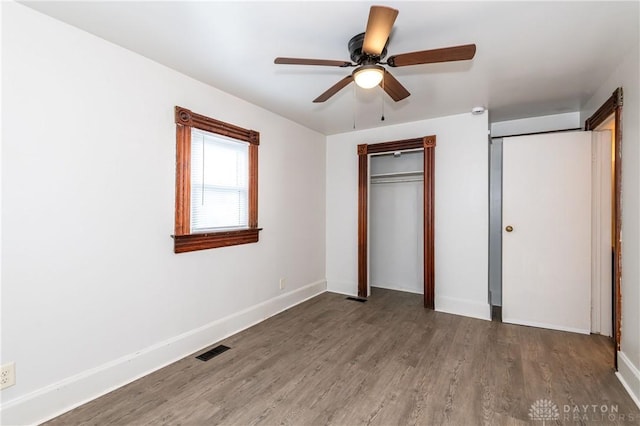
(184, 240)
(428, 143)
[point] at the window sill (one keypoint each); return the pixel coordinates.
(193, 242)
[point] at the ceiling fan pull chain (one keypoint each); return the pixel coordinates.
(353, 107)
(382, 98)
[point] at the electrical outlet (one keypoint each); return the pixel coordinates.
(8, 375)
(283, 282)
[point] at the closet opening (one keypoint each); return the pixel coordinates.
(609, 117)
(396, 217)
(395, 221)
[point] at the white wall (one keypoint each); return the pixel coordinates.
(92, 293)
(626, 76)
(461, 208)
(545, 123)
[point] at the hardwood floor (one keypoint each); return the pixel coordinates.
(386, 362)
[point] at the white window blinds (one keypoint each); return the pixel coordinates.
(219, 182)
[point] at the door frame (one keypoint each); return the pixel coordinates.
(428, 143)
(613, 106)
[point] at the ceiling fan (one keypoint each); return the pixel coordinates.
(367, 51)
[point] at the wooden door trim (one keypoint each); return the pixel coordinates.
(428, 143)
(613, 106)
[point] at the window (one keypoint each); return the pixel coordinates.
(216, 183)
(219, 182)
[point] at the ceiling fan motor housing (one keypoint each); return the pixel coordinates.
(361, 58)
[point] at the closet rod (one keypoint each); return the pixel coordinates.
(377, 181)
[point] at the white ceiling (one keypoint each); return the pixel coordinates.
(533, 58)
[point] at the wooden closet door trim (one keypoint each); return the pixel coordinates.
(363, 226)
(427, 143)
(613, 106)
(429, 222)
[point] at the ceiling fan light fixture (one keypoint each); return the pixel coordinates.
(368, 76)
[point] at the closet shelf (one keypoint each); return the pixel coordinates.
(398, 177)
(398, 174)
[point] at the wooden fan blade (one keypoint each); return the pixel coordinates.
(446, 54)
(303, 61)
(381, 19)
(393, 87)
(334, 89)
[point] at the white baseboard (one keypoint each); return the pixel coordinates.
(517, 321)
(398, 288)
(462, 307)
(58, 398)
(351, 289)
(629, 376)
(342, 287)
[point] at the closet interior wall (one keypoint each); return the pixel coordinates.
(396, 221)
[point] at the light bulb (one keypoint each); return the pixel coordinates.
(368, 76)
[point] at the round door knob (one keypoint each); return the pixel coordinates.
(509, 228)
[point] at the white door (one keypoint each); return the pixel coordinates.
(546, 235)
(601, 235)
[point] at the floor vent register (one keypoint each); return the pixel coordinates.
(213, 352)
